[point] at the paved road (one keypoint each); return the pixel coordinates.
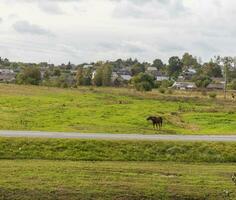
(39, 134)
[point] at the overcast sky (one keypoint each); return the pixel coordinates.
(79, 31)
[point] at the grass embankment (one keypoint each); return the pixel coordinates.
(92, 150)
(110, 110)
(114, 180)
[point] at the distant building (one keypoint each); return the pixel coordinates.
(87, 66)
(7, 75)
(162, 78)
(184, 86)
(124, 71)
(126, 77)
(188, 74)
(152, 70)
(216, 86)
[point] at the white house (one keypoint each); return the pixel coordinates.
(162, 78)
(184, 85)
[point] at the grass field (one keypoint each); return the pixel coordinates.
(109, 110)
(92, 150)
(36, 179)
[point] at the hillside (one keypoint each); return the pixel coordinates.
(110, 110)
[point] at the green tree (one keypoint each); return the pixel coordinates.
(202, 81)
(137, 68)
(174, 67)
(98, 76)
(106, 75)
(29, 75)
(143, 82)
(157, 63)
(212, 69)
(189, 61)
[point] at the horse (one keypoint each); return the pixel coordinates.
(156, 121)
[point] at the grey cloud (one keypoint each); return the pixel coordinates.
(26, 27)
(150, 9)
(50, 7)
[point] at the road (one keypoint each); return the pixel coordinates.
(98, 136)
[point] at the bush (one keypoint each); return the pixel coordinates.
(143, 82)
(162, 90)
(212, 95)
(170, 91)
(204, 93)
(233, 85)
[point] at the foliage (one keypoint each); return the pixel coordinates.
(158, 64)
(162, 90)
(212, 95)
(143, 82)
(137, 68)
(29, 75)
(174, 67)
(103, 75)
(212, 69)
(189, 61)
(84, 76)
(233, 85)
(202, 81)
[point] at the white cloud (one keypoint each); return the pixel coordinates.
(89, 30)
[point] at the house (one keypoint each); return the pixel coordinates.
(216, 86)
(7, 75)
(124, 71)
(162, 78)
(188, 74)
(184, 85)
(126, 77)
(152, 70)
(87, 66)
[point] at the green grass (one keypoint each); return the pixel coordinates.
(27, 179)
(93, 150)
(109, 110)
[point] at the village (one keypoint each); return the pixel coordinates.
(120, 73)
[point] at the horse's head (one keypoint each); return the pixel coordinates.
(149, 118)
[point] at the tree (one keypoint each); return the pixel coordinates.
(227, 65)
(143, 82)
(84, 76)
(212, 69)
(158, 64)
(137, 68)
(174, 67)
(29, 75)
(106, 75)
(202, 81)
(189, 61)
(98, 76)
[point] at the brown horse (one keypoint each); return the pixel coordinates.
(156, 121)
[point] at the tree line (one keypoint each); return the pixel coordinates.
(102, 73)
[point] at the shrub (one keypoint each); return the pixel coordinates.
(212, 95)
(162, 90)
(170, 91)
(233, 85)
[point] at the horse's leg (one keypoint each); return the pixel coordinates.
(153, 125)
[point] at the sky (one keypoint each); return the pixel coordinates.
(58, 31)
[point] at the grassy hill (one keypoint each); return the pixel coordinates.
(110, 110)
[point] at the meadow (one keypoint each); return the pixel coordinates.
(113, 110)
(97, 150)
(37, 179)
